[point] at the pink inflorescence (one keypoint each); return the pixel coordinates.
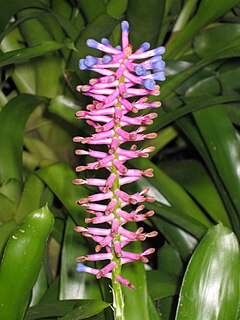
(122, 77)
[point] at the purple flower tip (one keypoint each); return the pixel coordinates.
(82, 268)
(125, 26)
(92, 43)
(159, 65)
(90, 61)
(159, 50)
(160, 76)
(119, 48)
(107, 59)
(149, 84)
(140, 70)
(82, 65)
(105, 41)
(145, 46)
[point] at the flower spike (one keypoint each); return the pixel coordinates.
(123, 75)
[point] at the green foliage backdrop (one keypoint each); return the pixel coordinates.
(196, 160)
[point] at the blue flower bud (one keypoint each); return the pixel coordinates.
(82, 268)
(125, 26)
(107, 59)
(158, 65)
(105, 41)
(149, 84)
(155, 59)
(82, 65)
(145, 46)
(159, 50)
(119, 48)
(90, 61)
(92, 43)
(160, 76)
(140, 70)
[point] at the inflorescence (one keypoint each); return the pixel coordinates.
(111, 114)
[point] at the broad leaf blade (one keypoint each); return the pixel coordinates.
(59, 179)
(223, 144)
(13, 118)
(210, 288)
(208, 11)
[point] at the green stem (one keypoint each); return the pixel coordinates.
(118, 301)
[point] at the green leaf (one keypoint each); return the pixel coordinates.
(166, 307)
(5, 232)
(185, 14)
(229, 75)
(82, 309)
(52, 294)
(11, 189)
(86, 310)
(40, 286)
(210, 288)
(41, 151)
(232, 50)
(169, 260)
(192, 104)
(208, 11)
(65, 108)
(31, 196)
(23, 55)
(212, 40)
(189, 129)
(164, 137)
(207, 86)
(13, 118)
(135, 300)
(51, 131)
(233, 113)
(116, 8)
(7, 208)
(92, 9)
(74, 284)
(153, 311)
(48, 68)
(9, 9)
(223, 145)
(23, 74)
(145, 20)
(178, 218)
(170, 190)
(18, 21)
(195, 179)
(161, 284)
(183, 242)
(58, 178)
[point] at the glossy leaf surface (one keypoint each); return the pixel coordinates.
(210, 288)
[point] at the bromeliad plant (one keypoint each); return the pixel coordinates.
(196, 181)
(125, 76)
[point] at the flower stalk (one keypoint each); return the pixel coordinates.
(111, 114)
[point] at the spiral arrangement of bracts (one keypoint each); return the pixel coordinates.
(124, 75)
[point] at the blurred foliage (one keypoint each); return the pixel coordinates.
(196, 161)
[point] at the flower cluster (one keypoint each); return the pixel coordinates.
(124, 76)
